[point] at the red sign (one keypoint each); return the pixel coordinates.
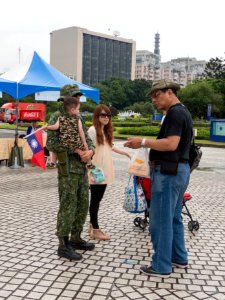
(30, 115)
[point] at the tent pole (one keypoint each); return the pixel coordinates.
(17, 121)
(16, 156)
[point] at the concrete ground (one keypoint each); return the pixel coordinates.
(30, 268)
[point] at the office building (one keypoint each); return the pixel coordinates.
(91, 57)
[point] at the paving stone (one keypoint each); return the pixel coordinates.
(40, 289)
(31, 269)
(20, 293)
(200, 295)
(4, 293)
(98, 297)
(34, 295)
(51, 297)
(101, 291)
(219, 296)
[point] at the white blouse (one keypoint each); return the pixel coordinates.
(102, 157)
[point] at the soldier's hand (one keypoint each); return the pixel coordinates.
(78, 151)
(86, 155)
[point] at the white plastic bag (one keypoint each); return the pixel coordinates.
(138, 165)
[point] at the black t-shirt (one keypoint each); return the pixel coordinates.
(178, 122)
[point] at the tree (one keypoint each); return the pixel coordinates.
(215, 68)
(121, 93)
(198, 95)
(88, 106)
(144, 108)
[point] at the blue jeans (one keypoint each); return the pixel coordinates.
(166, 224)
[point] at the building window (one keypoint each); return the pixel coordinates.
(105, 58)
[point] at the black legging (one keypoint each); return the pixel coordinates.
(97, 193)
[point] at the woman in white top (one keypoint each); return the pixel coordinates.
(101, 134)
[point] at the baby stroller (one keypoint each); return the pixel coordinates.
(143, 222)
(146, 186)
(192, 225)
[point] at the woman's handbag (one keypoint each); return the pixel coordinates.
(97, 175)
(138, 164)
(134, 200)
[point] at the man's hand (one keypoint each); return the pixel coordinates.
(86, 155)
(133, 143)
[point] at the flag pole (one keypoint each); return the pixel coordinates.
(32, 133)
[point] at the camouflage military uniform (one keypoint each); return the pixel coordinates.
(69, 133)
(73, 187)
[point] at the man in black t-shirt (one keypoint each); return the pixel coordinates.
(170, 172)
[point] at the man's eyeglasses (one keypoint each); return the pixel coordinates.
(159, 92)
(104, 115)
(156, 94)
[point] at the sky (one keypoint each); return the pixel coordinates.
(187, 28)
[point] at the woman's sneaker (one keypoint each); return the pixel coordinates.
(150, 272)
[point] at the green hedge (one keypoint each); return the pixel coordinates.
(198, 124)
(144, 131)
(202, 134)
(130, 124)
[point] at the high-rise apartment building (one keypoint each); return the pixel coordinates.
(91, 57)
(181, 70)
(148, 63)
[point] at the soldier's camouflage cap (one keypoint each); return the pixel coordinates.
(163, 84)
(61, 99)
(70, 90)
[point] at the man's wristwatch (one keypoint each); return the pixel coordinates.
(143, 142)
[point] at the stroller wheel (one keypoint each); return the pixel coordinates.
(196, 225)
(137, 221)
(190, 225)
(143, 224)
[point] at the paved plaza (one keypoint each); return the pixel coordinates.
(30, 268)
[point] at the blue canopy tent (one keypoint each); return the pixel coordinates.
(7, 86)
(38, 76)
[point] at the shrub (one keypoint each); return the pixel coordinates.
(129, 124)
(144, 131)
(202, 134)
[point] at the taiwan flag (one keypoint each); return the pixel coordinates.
(36, 143)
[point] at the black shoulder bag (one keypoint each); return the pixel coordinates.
(195, 155)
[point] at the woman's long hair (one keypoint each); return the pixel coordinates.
(108, 129)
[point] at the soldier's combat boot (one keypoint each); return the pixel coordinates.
(78, 243)
(65, 250)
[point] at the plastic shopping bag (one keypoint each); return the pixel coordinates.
(138, 164)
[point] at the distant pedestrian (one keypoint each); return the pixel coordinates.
(33, 127)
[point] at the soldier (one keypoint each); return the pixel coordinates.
(73, 188)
